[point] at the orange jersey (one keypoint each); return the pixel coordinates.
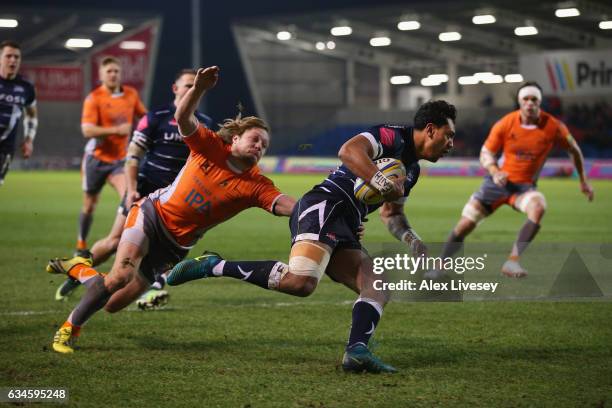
(525, 148)
(207, 191)
(101, 108)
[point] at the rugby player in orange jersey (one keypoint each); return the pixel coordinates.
(106, 122)
(525, 137)
(219, 180)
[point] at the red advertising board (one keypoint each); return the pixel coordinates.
(55, 82)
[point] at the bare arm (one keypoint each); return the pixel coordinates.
(205, 79)
(134, 156)
(30, 122)
(284, 205)
(93, 131)
(357, 154)
(489, 163)
(393, 216)
(576, 154)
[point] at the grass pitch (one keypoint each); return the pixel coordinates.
(224, 343)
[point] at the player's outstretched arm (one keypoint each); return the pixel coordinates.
(206, 78)
(578, 158)
(284, 205)
(356, 154)
(394, 218)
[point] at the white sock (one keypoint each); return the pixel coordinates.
(218, 268)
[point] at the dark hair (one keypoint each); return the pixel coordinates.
(436, 112)
(9, 43)
(184, 71)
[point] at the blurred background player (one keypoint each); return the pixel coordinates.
(17, 98)
(219, 180)
(525, 137)
(155, 156)
(325, 222)
(108, 114)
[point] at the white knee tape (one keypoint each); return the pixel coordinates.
(523, 200)
(471, 212)
(304, 266)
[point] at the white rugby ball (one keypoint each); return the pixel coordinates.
(392, 168)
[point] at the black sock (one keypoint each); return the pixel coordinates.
(526, 234)
(255, 272)
(85, 221)
(93, 300)
(366, 314)
(452, 246)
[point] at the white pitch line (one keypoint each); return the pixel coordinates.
(169, 308)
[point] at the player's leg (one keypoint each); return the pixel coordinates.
(90, 201)
(480, 205)
(5, 162)
(132, 248)
(99, 289)
(126, 295)
(533, 204)
(354, 269)
(105, 247)
(307, 261)
(117, 179)
(100, 252)
(93, 175)
(472, 214)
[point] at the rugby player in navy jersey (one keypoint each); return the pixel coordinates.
(17, 98)
(155, 156)
(326, 221)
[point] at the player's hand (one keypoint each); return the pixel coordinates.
(124, 129)
(500, 178)
(130, 198)
(27, 147)
(587, 190)
(361, 232)
(398, 189)
(206, 78)
(418, 248)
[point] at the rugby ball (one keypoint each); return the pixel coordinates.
(392, 168)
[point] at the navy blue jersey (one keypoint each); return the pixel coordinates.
(387, 141)
(15, 95)
(157, 133)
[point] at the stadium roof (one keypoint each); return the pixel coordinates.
(43, 32)
(482, 47)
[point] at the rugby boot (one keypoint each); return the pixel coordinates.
(153, 299)
(66, 288)
(64, 265)
(358, 359)
(64, 339)
(192, 269)
(512, 269)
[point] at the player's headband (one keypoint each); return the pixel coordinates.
(529, 90)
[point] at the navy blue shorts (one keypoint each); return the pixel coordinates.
(492, 196)
(325, 216)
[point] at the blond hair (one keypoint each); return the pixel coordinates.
(236, 127)
(109, 59)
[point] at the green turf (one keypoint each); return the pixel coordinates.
(224, 343)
